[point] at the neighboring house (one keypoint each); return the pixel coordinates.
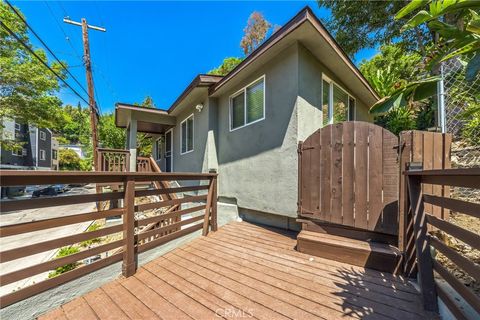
(75, 147)
(55, 148)
(247, 124)
(36, 150)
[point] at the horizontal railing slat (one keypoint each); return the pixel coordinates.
(461, 289)
(154, 192)
(25, 227)
(169, 237)
(162, 204)
(38, 287)
(52, 264)
(467, 265)
(27, 177)
(170, 215)
(36, 203)
(466, 236)
(166, 228)
(470, 208)
(450, 303)
(12, 254)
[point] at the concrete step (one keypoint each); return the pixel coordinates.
(373, 255)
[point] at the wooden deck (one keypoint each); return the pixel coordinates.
(246, 271)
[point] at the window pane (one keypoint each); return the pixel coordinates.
(325, 101)
(190, 134)
(255, 102)
(238, 111)
(351, 109)
(340, 105)
(184, 137)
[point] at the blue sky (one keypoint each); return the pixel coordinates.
(150, 48)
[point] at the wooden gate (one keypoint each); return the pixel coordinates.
(348, 175)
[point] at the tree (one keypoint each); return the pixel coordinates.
(109, 134)
(27, 88)
(391, 68)
(227, 66)
(459, 40)
(69, 160)
(76, 125)
(364, 24)
(255, 32)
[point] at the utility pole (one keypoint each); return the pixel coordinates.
(91, 94)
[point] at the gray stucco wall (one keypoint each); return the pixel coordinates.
(257, 163)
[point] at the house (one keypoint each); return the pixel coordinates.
(79, 149)
(247, 125)
(36, 150)
(55, 148)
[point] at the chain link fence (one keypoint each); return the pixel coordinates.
(460, 97)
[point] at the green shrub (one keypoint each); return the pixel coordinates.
(397, 120)
(63, 252)
(93, 227)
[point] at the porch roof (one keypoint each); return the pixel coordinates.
(149, 120)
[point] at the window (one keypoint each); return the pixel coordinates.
(159, 148)
(43, 135)
(248, 105)
(54, 154)
(186, 135)
(42, 154)
(17, 126)
(24, 151)
(19, 152)
(337, 104)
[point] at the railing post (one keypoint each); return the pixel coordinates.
(129, 257)
(422, 246)
(206, 220)
(213, 220)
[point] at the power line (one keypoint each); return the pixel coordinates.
(45, 45)
(67, 37)
(41, 60)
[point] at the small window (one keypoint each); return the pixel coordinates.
(17, 126)
(248, 105)
(43, 135)
(54, 154)
(42, 154)
(24, 151)
(186, 134)
(17, 152)
(159, 145)
(337, 104)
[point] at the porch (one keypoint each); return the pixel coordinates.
(245, 270)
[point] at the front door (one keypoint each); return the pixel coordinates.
(168, 151)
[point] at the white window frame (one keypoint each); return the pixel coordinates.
(244, 92)
(18, 152)
(330, 99)
(17, 126)
(44, 155)
(193, 136)
(159, 149)
(43, 135)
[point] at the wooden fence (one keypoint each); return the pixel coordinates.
(348, 175)
(113, 160)
(431, 150)
(131, 243)
(421, 201)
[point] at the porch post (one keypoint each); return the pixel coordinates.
(132, 144)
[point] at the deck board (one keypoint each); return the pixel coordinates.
(245, 270)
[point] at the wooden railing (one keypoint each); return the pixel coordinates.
(425, 240)
(113, 160)
(131, 242)
(143, 164)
